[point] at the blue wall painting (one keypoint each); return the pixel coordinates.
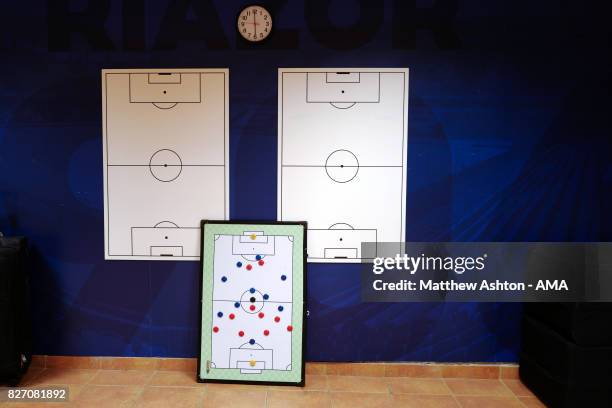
(509, 140)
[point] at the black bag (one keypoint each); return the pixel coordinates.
(15, 324)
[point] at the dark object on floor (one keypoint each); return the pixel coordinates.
(567, 353)
(15, 323)
(586, 324)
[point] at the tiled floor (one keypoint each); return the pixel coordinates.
(337, 387)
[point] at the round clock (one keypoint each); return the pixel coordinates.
(254, 23)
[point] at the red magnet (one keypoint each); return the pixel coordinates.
(261, 262)
(241, 333)
(290, 328)
(266, 332)
(249, 267)
(252, 307)
(215, 329)
(231, 316)
(277, 319)
(261, 315)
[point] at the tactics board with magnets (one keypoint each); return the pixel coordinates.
(252, 302)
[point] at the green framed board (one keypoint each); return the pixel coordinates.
(253, 288)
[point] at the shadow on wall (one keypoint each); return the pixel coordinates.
(562, 192)
(571, 160)
(48, 313)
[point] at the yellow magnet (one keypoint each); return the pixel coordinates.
(252, 363)
(253, 236)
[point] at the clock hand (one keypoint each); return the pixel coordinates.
(255, 24)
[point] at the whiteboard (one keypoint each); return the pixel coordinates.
(342, 135)
(252, 302)
(165, 147)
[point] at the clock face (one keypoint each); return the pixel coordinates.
(254, 23)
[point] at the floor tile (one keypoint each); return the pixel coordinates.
(164, 397)
(488, 402)
(174, 378)
(236, 387)
(73, 392)
(357, 384)
(122, 377)
(227, 398)
(316, 383)
(358, 399)
(518, 388)
(313, 383)
(102, 396)
(174, 384)
(428, 386)
(423, 401)
(478, 387)
(30, 376)
(532, 402)
(36, 405)
(306, 399)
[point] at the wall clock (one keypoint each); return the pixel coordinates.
(254, 23)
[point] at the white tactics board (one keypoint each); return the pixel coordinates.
(249, 301)
(252, 302)
(342, 157)
(165, 143)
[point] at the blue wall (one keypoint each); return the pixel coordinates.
(509, 140)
